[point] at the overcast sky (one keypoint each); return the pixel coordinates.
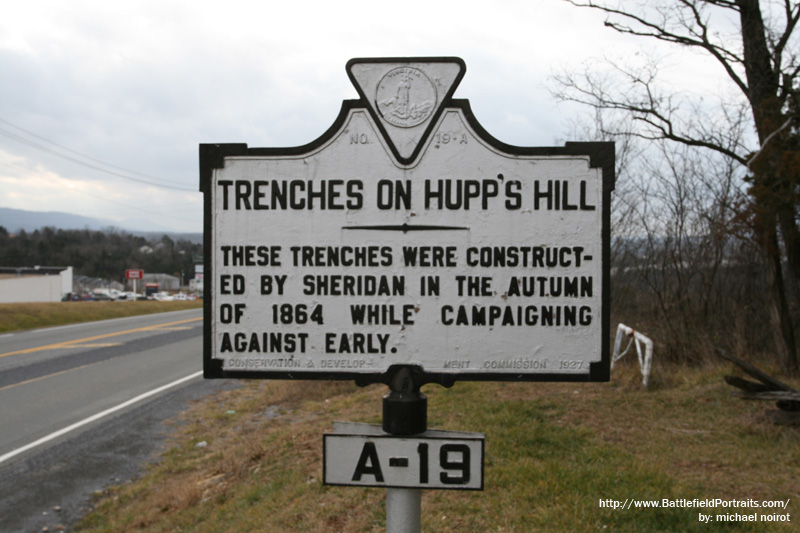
(103, 104)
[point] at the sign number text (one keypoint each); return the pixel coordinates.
(390, 461)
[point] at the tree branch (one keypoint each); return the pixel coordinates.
(659, 30)
(791, 23)
(646, 107)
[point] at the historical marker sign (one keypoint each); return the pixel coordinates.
(407, 235)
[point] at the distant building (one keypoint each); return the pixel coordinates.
(165, 281)
(85, 284)
(37, 284)
(196, 284)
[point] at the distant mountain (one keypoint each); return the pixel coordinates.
(196, 238)
(15, 220)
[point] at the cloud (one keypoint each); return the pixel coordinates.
(141, 84)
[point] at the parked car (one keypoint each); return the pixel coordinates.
(162, 296)
(101, 296)
(130, 296)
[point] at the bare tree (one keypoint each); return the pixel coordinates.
(760, 59)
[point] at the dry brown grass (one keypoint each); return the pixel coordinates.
(261, 466)
(23, 316)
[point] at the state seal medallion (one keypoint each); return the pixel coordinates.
(405, 97)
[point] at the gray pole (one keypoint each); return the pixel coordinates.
(405, 412)
(403, 510)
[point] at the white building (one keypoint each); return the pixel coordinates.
(37, 284)
(165, 281)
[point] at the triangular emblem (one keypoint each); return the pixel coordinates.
(406, 96)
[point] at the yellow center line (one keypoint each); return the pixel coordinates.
(94, 345)
(40, 378)
(72, 344)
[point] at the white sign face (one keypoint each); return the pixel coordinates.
(407, 236)
(433, 460)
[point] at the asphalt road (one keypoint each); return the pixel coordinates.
(83, 406)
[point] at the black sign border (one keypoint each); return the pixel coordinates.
(601, 155)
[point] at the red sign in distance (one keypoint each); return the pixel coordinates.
(134, 274)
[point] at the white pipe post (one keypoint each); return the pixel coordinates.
(403, 510)
(405, 413)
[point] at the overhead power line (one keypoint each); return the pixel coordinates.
(172, 212)
(149, 211)
(46, 149)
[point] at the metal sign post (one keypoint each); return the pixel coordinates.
(407, 246)
(368, 456)
(134, 274)
(405, 412)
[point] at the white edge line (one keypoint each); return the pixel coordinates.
(95, 417)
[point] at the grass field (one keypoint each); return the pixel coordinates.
(554, 451)
(18, 317)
